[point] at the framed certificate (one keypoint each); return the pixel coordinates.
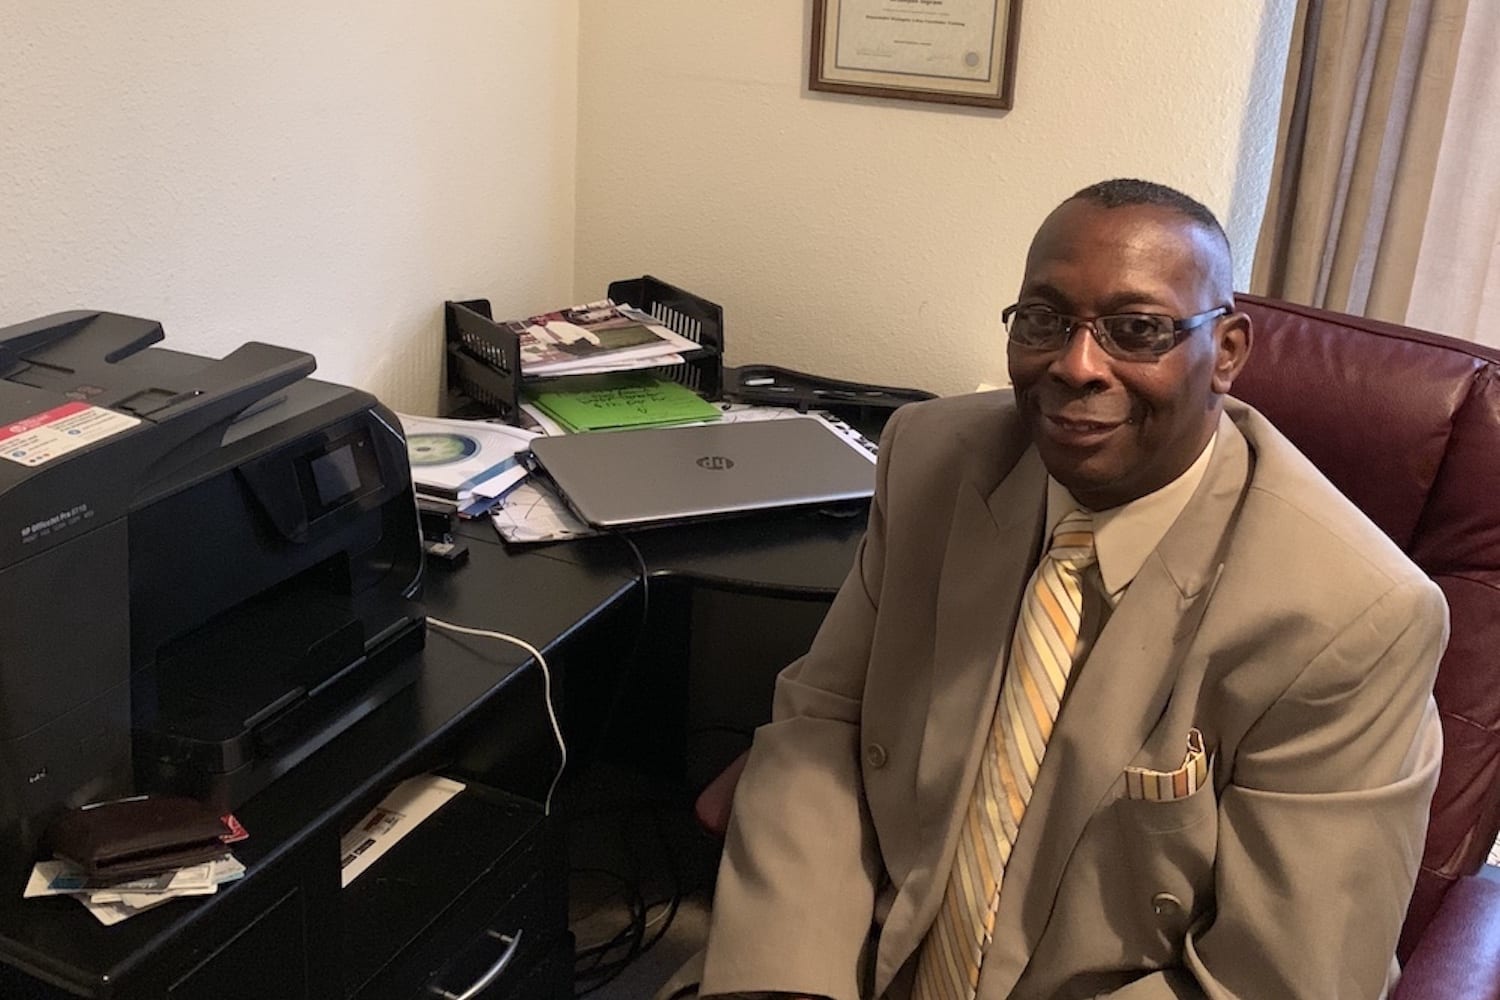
(947, 51)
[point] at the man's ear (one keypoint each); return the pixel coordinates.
(1232, 337)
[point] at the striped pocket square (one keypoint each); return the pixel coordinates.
(1167, 786)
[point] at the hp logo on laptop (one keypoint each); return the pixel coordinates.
(715, 463)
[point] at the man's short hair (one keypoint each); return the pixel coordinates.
(1124, 191)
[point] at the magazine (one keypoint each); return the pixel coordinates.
(596, 337)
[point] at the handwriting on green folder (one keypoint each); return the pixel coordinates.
(611, 402)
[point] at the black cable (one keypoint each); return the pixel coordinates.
(674, 875)
(600, 968)
(627, 669)
(629, 936)
(603, 972)
(631, 894)
(592, 964)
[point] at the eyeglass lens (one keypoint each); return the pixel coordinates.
(1126, 334)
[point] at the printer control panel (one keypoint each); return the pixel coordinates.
(337, 472)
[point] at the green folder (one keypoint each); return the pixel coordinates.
(612, 402)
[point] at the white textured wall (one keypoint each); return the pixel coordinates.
(314, 173)
(878, 240)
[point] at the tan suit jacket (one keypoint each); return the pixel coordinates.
(1273, 617)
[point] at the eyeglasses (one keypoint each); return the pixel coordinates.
(1127, 336)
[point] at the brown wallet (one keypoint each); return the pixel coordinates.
(130, 838)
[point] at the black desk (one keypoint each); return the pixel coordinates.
(288, 930)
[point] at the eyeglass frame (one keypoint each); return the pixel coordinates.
(1181, 329)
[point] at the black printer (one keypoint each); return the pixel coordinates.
(207, 568)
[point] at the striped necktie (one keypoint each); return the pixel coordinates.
(1041, 658)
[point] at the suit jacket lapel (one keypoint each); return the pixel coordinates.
(1113, 703)
(991, 546)
(992, 542)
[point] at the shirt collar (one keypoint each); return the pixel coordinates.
(1125, 536)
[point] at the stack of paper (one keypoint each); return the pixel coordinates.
(403, 808)
(596, 337)
(112, 903)
(468, 463)
(612, 402)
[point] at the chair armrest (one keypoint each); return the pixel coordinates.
(1459, 953)
(714, 802)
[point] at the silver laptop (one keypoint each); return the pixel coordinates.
(662, 474)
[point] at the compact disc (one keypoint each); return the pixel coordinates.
(440, 449)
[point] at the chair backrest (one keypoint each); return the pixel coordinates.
(1407, 425)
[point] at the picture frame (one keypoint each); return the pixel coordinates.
(959, 52)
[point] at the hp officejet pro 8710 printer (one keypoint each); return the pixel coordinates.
(207, 568)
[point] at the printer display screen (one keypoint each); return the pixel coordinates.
(342, 471)
(335, 475)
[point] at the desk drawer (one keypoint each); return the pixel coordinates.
(446, 902)
(551, 978)
(505, 966)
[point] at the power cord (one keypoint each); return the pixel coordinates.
(536, 654)
(600, 963)
(628, 662)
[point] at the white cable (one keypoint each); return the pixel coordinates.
(536, 654)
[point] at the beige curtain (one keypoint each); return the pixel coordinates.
(1457, 285)
(1363, 107)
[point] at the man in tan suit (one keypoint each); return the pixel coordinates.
(1226, 793)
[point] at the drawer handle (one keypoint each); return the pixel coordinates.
(512, 942)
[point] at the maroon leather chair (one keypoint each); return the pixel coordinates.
(1407, 425)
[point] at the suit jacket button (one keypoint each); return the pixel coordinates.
(1164, 904)
(875, 755)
